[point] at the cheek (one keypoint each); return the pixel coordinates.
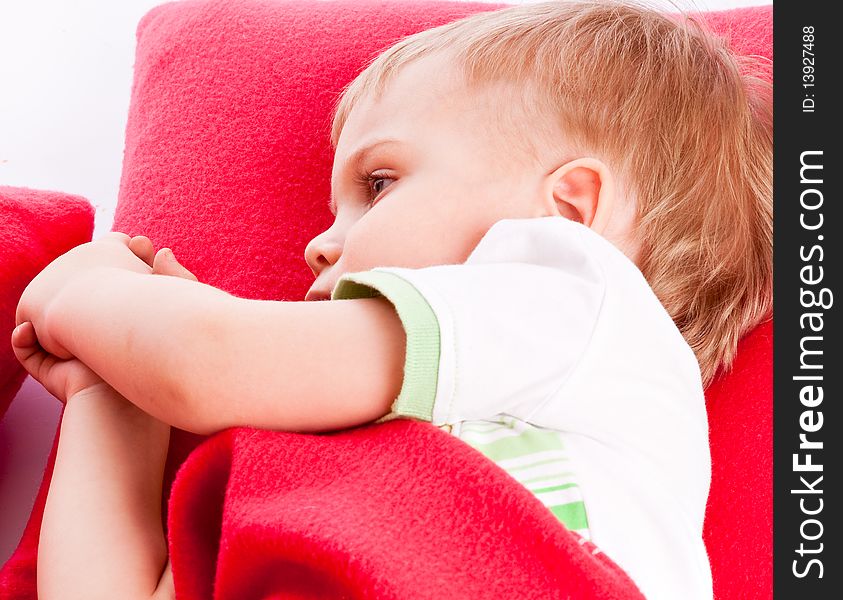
(389, 237)
(414, 232)
(374, 241)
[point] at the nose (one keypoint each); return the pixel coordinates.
(322, 252)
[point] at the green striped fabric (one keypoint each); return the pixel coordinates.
(535, 457)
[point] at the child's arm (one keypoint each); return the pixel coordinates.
(203, 360)
(101, 535)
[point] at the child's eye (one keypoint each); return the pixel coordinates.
(374, 183)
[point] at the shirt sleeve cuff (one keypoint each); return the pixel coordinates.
(421, 363)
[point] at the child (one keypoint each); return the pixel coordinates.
(500, 185)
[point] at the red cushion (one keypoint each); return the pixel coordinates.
(37, 227)
(228, 162)
(739, 517)
(227, 156)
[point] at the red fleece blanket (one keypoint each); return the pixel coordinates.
(399, 510)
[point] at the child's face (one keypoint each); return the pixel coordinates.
(441, 182)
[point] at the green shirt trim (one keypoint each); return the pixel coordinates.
(421, 362)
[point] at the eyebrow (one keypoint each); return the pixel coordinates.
(357, 157)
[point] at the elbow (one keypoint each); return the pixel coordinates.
(191, 426)
(199, 426)
(192, 410)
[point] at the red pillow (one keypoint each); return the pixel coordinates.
(37, 227)
(739, 516)
(227, 157)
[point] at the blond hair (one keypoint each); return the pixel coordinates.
(665, 104)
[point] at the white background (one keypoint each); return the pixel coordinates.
(65, 77)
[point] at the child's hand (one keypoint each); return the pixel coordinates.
(63, 378)
(111, 250)
(162, 262)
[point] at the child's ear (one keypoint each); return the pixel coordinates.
(582, 190)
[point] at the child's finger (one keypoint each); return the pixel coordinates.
(115, 236)
(28, 352)
(142, 247)
(165, 263)
(23, 336)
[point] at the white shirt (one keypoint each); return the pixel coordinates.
(548, 322)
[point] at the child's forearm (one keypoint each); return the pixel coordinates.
(140, 333)
(200, 359)
(101, 535)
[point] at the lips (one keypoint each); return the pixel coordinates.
(313, 294)
(323, 285)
